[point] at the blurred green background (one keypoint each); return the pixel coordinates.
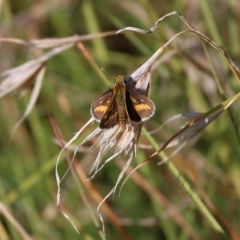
(182, 81)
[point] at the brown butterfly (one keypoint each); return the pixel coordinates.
(122, 105)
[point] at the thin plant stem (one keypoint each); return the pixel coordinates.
(201, 206)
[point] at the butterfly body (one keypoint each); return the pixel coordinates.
(119, 92)
(122, 105)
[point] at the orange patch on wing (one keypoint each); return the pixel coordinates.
(100, 109)
(141, 107)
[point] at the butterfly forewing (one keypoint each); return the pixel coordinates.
(133, 115)
(100, 105)
(110, 117)
(143, 106)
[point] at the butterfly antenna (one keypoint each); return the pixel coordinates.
(106, 72)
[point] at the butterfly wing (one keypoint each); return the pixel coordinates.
(132, 114)
(143, 106)
(110, 117)
(100, 105)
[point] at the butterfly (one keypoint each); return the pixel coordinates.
(121, 105)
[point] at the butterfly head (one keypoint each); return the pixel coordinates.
(120, 80)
